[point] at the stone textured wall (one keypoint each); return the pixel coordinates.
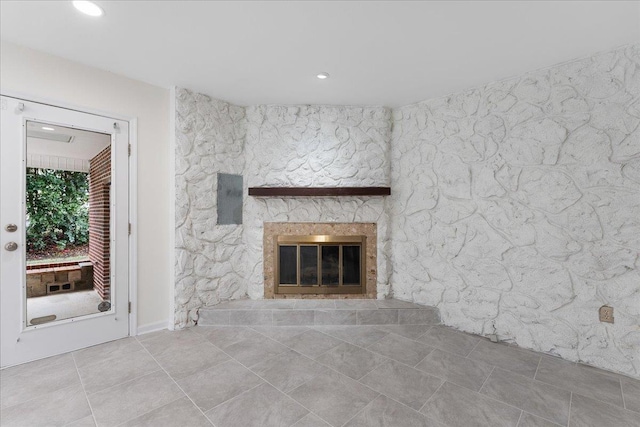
(316, 146)
(516, 206)
(209, 257)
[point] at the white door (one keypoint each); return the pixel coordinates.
(69, 302)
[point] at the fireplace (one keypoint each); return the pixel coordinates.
(320, 260)
(320, 264)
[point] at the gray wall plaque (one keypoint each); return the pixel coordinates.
(229, 199)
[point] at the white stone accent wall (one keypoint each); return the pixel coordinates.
(316, 146)
(516, 208)
(209, 260)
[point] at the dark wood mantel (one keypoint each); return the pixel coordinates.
(318, 191)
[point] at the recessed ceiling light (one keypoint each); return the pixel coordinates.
(323, 76)
(88, 8)
(47, 128)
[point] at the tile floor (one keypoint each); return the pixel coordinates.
(393, 375)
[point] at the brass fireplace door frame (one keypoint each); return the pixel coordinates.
(320, 240)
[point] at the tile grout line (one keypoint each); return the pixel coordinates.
(86, 396)
(174, 381)
(570, 404)
(431, 397)
(624, 402)
(485, 381)
(148, 412)
(471, 351)
(361, 410)
(265, 381)
(537, 367)
(541, 417)
(519, 418)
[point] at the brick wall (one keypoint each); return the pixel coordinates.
(99, 190)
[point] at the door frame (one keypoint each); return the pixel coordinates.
(132, 189)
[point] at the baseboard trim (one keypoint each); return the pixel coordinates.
(153, 327)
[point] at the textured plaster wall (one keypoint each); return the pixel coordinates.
(316, 146)
(209, 258)
(516, 206)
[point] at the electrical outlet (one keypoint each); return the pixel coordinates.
(606, 314)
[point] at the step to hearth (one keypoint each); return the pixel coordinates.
(309, 312)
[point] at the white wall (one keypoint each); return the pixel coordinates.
(41, 75)
(516, 206)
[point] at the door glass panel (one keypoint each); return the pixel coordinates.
(308, 265)
(351, 265)
(68, 210)
(330, 265)
(288, 259)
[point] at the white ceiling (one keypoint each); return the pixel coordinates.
(84, 145)
(388, 53)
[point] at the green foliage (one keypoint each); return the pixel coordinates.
(57, 208)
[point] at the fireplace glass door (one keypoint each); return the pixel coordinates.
(320, 264)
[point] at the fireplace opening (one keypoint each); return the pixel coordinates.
(320, 264)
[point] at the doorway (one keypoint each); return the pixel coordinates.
(64, 179)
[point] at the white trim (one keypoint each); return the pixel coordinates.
(133, 220)
(66, 105)
(153, 327)
(172, 206)
(133, 185)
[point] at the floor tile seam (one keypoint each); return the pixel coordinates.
(54, 391)
(624, 402)
(486, 396)
(537, 367)
(276, 388)
(107, 360)
(486, 379)
(474, 347)
(340, 374)
(535, 381)
(204, 412)
(570, 407)
(86, 396)
(424, 333)
(2, 407)
(360, 411)
(95, 362)
(432, 395)
(413, 409)
(424, 343)
(355, 379)
(264, 381)
(373, 351)
(403, 363)
(148, 412)
(619, 408)
(519, 418)
(177, 385)
(545, 418)
(589, 397)
(129, 379)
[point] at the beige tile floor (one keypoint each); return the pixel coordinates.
(351, 376)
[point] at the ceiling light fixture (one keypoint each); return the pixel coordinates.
(323, 76)
(88, 8)
(47, 128)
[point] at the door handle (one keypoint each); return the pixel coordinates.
(11, 228)
(11, 246)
